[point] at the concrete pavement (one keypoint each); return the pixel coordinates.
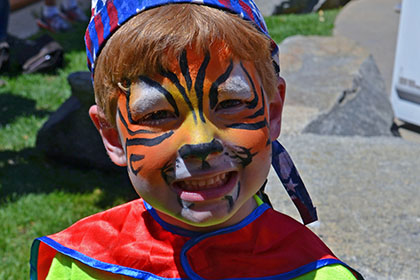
(374, 25)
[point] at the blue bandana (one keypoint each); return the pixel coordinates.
(108, 15)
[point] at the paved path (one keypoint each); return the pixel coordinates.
(367, 194)
(374, 25)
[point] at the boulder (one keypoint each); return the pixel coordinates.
(333, 87)
(69, 135)
(274, 7)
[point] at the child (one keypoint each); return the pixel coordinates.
(188, 99)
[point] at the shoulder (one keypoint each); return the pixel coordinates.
(283, 228)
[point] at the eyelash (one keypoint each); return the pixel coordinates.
(230, 103)
(157, 118)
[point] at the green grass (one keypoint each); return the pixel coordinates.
(39, 196)
(281, 27)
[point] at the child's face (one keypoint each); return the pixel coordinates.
(197, 139)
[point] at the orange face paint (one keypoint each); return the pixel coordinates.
(197, 139)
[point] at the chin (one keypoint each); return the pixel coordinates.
(202, 219)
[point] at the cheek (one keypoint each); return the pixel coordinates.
(255, 140)
(148, 162)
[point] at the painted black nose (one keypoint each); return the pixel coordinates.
(201, 150)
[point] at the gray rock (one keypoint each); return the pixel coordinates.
(332, 87)
(366, 191)
(274, 7)
(362, 110)
(69, 135)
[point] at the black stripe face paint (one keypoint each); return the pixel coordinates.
(174, 79)
(131, 132)
(149, 142)
(183, 64)
(260, 111)
(249, 126)
(242, 155)
(254, 102)
(213, 94)
(199, 83)
(133, 159)
(232, 199)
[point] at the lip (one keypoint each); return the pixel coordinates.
(205, 193)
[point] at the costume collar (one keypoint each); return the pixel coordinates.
(189, 233)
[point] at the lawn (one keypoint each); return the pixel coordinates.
(39, 196)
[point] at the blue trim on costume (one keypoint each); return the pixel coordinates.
(284, 276)
(169, 227)
(190, 243)
(113, 268)
(194, 234)
(34, 260)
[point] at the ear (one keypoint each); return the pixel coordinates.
(109, 136)
(276, 109)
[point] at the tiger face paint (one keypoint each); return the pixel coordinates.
(196, 139)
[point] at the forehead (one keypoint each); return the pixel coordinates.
(217, 65)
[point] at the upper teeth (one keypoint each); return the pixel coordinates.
(194, 184)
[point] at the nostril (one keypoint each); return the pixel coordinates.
(202, 150)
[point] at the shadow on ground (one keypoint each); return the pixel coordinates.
(14, 106)
(28, 171)
(411, 127)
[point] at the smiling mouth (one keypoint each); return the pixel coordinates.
(204, 183)
(206, 187)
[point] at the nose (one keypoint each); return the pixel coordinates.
(201, 151)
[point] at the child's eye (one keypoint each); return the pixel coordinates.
(229, 104)
(157, 117)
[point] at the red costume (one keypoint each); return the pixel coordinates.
(132, 240)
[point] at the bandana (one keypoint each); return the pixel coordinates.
(109, 15)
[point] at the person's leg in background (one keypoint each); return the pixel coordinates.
(4, 22)
(72, 11)
(56, 19)
(4, 18)
(51, 18)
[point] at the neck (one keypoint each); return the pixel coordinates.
(238, 216)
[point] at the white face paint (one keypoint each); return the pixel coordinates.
(236, 86)
(146, 99)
